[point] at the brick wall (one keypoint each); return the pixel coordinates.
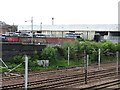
(10, 50)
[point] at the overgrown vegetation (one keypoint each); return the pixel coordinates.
(58, 55)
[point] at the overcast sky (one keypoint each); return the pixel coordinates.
(63, 11)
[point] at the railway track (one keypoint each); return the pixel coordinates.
(40, 73)
(63, 81)
(53, 73)
(72, 81)
(45, 72)
(105, 85)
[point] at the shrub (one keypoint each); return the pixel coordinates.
(49, 53)
(108, 47)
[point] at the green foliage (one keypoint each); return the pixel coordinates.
(109, 47)
(77, 49)
(17, 59)
(117, 45)
(60, 52)
(49, 53)
(3, 70)
(33, 60)
(58, 55)
(74, 48)
(20, 70)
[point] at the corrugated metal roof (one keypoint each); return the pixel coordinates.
(80, 27)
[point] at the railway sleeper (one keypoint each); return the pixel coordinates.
(55, 80)
(59, 84)
(81, 79)
(103, 85)
(83, 85)
(101, 75)
(91, 81)
(64, 80)
(60, 78)
(22, 76)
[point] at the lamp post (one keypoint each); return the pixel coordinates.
(52, 21)
(41, 26)
(31, 28)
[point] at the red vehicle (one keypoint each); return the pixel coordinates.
(43, 40)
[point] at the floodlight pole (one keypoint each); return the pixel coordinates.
(26, 71)
(31, 28)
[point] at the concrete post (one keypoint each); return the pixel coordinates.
(117, 63)
(26, 71)
(86, 69)
(68, 56)
(99, 59)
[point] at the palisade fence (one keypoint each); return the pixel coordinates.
(94, 58)
(68, 55)
(114, 39)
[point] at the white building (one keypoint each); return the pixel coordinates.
(87, 31)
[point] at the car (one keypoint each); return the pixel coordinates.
(26, 34)
(10, 33)
(72, 35)
(2, 38)
(39, 35)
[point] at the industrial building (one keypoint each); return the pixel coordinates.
(87, 31)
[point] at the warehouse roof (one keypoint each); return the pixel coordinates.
(78, 27)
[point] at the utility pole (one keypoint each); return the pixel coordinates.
(31, 28)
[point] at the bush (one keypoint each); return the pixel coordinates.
(117, 45)
(109, 47)
(49, 53)
(58, 55)
(17, 59)
(32, 62)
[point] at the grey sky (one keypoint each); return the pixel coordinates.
(63, 11)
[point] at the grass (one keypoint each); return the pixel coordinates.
(62, 63)
(105, 59)
(53, 65)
